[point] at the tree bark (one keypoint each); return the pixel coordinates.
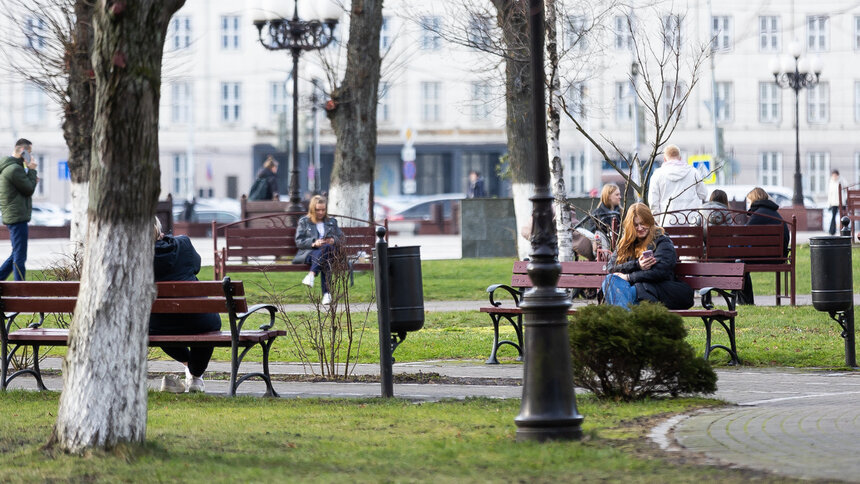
(353, 114)
(103, 403)
(512, 18)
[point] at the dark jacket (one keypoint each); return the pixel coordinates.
(271, 181)
(657, 284)
(762, 211)
(476, 190)
(176, 260)
(16, 190)
(306, 234)
(601, 218)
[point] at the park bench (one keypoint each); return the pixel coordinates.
(758, 246)
(852, 208)
(267, 243)
(225, 297)
(704, 277)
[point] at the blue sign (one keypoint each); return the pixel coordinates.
(409, 170)
(63, 170)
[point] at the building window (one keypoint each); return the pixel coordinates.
(180, 175)
(721, 32)
(280, 100)
(574, 33)
(481, 100)
(36, 32)
(385, 33)
(768, 33)
(818, 172)
(817, 27)
(623, 101)
(857, 167)
(480, 32)
(623, 37)
(575, 101)
(768, 102)
(724, 101)
(230, 32)
(430, 100)
(672, 31)
(578, 182)
(857, 31)
(179, 36)
(383, 107)
(672, 95)
(34, 104)
(770, 168)
(857, 101)
(430, 39)
(180, 97)
(818, 103)
(231, 101)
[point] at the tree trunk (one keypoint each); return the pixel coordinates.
(78, 116)
(563, 222)
(512, 19)
(353, 115)
(104, 373)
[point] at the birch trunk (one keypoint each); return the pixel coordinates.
(563, 223)
(512, 19)
(103, 403)
(353, 115)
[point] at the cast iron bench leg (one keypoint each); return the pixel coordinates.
(492, 359)
(518, 328)
(730, 332)
(270, 390)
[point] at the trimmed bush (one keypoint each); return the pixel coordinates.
(629, 355)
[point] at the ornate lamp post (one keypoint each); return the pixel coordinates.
(297, 36)
(796, 79)
(548, 406)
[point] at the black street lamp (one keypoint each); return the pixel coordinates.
(796, 79)
(548, 406)
(297, 36)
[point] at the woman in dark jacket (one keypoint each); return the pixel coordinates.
(176, 260)
(764, 211)
(316, 237)
(607, 215)
(268, 175)
(652, 276)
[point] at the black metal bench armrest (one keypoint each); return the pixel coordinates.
(257, 307)
(515, 294)
(707, 302)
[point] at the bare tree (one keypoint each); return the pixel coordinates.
(104, 372)
(50, 46)
(352, 111)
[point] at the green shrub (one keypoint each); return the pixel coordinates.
(629, 355)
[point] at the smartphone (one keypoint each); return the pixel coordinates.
(26, 155)
(648, 254)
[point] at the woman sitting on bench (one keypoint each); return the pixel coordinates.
(644, 264)
(176, 260)
(316, 237)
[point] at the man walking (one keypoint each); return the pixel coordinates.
(675, 186)
(476, 186)
(16, 205)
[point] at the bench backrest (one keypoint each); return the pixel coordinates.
(281, 241)
(689, 240)
(173, 297)
(751, 243)
(590, 275)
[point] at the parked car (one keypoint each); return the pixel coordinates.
(49, 215)
(410, 218)
(207, 210)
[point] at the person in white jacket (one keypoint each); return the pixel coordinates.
(833, 185)
(675, 186)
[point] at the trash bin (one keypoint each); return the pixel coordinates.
(406, 289)
(832, 283)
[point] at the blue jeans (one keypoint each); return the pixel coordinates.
(18, 234)
(321, 259)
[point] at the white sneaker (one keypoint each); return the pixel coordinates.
(172, 384)
(326, 300)
(309, 280)
(196, 385)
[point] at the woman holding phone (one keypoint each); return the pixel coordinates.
(645, 260)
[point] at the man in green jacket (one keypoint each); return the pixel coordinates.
(16, 204)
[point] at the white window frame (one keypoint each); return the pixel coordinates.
(575, 99)
(482, 96)
(35, 33)
(818, 103)
(623, 37)
(623, 102)
(430, 26)
(721, 33)
(430, 101)
(857, 101)
(817, 172)
(230, 95)
(857, 167)
(479, 30)
(180, 102)
(857, 32)
(385, 33)
(34, 104)
(725, 101)
(574, 33)
(578, 182)
(770, 168)
(818, 33)
(279, 98)
(383, 106)
(770, 37)
(180, 32)
(180, 183)
(671, 91)
(673, 31)
(769, 99)
(231, 32)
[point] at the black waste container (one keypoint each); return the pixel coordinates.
(406, 289)
(832, 284)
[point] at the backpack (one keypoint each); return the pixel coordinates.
(259, 190)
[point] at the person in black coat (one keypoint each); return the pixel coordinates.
(267, 173)
(763, 211)
(654, 276)
(607, 215)
(176, 260)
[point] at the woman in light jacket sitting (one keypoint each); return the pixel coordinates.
(316, 237)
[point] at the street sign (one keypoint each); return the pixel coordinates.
(409, 187)
(409, 170)
(407, 153)
(63, 170)
(703, 164)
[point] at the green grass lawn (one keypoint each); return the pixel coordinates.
(214, 439)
